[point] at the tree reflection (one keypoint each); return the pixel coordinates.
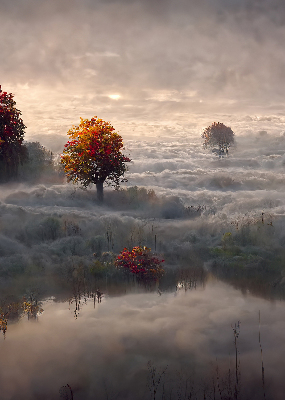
(31, 306)
(84, 286)
(260, 279)
(190, 278)
(66, 392)
(12, 309)
(3, 322)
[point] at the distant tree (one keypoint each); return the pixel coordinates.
(12, 129)
(93, 155)
(39, 162)
(220, 136)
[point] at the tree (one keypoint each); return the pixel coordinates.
(39, 163)
(218, 135)
(12, 150)
(93, 155)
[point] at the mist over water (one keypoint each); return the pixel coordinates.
(108, 351)
(180, 200)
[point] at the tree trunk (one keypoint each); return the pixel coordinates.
(100, 194)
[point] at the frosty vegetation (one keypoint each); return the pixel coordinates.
(194, 210)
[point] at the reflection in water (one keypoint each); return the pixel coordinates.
(79, 299)
(13, 310)
(31, 306)
(260, 280)
(82, 289)
(66, 392)
(3, 322)
(85, 286)
(190, 278)
(237, 387)
(145, 342)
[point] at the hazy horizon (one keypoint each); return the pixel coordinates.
(144, 66)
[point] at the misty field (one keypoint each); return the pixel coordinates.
(212, 327)
(171, 287)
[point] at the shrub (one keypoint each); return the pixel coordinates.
(140, 262)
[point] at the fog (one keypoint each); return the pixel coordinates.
(175, 183)
(189, 333)
(219, 225)
(167, 62)
(73, 326)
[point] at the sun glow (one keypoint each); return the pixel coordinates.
(114, 96)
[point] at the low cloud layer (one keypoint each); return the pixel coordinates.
(174, 189)
(65, 59)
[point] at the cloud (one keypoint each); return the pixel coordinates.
(193, 189)
(226, 55)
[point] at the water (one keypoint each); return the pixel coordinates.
(112, 349)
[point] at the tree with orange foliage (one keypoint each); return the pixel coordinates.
(218, 135)
(93, 155)
(12, 129)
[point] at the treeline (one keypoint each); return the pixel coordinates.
(36, 164)
(19, 160)
(39, 164)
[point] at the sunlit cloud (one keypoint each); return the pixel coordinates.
(162, 58)
(114, 96)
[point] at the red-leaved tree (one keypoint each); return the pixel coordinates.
(140, 262)
(12, 129)
(93, 155)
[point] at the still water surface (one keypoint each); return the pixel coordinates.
(114, 348)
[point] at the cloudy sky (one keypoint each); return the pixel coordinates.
(142, 61)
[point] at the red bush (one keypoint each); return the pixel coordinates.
(141, 262)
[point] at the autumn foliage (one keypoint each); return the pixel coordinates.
(12, 150)
(140, 262)
(93, 154)
(218, 135)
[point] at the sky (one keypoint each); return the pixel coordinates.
(141, 63)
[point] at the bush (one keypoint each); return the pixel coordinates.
(140, 262)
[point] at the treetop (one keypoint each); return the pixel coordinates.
(93, 153)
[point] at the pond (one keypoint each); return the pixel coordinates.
(207, 340)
